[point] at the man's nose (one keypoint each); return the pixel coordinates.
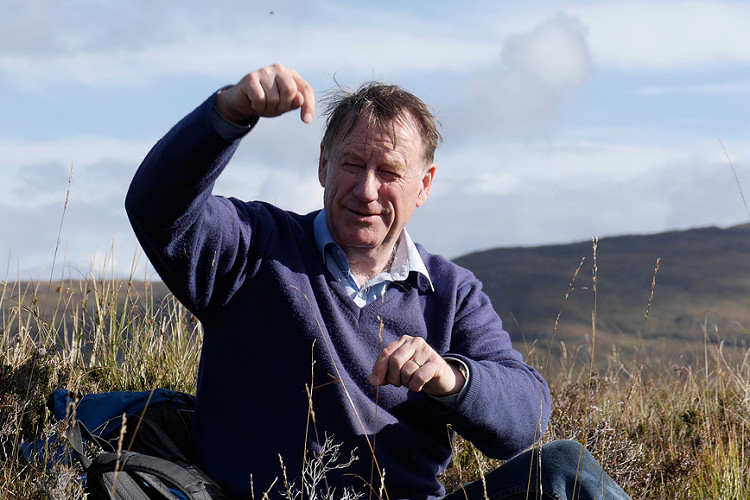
(367, 185)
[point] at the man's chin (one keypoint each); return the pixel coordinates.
(359, 244)
(364, 242)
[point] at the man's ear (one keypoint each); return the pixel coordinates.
(424, 192)
(322, 164)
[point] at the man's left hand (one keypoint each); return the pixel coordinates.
(411, 362)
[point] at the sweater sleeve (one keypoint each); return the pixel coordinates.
(506, 406)
(197, 242)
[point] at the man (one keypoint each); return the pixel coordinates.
(335, 323)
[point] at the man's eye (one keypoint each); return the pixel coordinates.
(350, 167)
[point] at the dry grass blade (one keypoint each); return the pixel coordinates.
(62, 219)
(736, 179)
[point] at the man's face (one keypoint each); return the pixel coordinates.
(372, 185)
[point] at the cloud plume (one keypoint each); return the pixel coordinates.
(522, 94)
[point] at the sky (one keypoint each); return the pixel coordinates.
(561, 121)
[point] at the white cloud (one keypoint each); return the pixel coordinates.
(108, 43)
(667, 35)
(555, 53)
(36, 198)
(112, 45)
(642, 35)
(36, 173)
(35, 187)
(520, 95)
(573, 191)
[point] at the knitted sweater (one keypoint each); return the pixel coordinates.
(287, 354)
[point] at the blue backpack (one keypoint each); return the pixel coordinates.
(144, 455)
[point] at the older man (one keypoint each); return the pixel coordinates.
(334, 323)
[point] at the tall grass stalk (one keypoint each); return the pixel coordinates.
(736, 179)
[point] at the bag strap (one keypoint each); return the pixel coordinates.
(158, 474)
(75, 433)
(148, 436)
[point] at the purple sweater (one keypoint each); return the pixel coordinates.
(277, 324)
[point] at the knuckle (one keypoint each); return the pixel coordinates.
(417, 382)
(287, 87)
(393, 364)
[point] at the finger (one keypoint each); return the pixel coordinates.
(421, 376)
(401, 364)
(268, 80)
(407, 373)
(254, 93)
(285, 90)
(305, 98)
(270, 90)
(379, 374)
(446, 379)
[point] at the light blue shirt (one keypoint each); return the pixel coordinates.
(406, 261)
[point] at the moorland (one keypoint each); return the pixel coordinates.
(643, 340)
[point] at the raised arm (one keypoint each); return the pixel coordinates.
(200, 243)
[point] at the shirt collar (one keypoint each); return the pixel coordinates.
(407, 257)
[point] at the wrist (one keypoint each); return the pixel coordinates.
(460, 371)
(230, 113)
(449, 385)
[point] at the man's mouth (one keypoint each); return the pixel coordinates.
(363, 215)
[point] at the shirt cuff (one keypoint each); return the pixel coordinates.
(453, 399)
(229, 130)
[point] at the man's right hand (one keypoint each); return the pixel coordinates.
(267, 92)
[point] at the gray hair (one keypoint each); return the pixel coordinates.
(381, 104)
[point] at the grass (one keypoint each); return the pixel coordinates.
(661, 431)
(97, 336)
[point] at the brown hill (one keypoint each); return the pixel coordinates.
(702, 286)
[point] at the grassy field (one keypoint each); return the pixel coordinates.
(662, 431)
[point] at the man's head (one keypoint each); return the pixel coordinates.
(376, 165)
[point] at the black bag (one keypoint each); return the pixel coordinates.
(134, 476)
(147, 457)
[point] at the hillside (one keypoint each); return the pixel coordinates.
(703, 279)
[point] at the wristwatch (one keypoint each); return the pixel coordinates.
(461, 367)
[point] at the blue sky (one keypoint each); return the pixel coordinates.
(561, 123)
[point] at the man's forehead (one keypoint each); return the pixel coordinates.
(398, 133)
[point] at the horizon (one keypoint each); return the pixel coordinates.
(152, 276)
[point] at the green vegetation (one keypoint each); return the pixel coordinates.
(661, 430)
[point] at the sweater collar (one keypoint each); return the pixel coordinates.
(406, 261)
